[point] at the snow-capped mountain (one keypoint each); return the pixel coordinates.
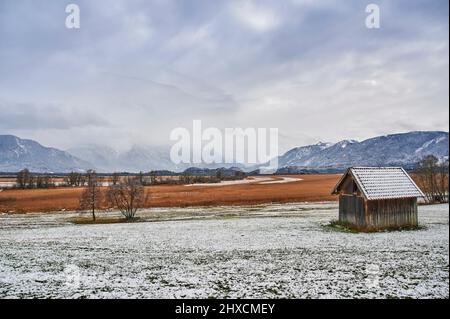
(17, 154)
(104, 158)
(397, 149)
(301, 153)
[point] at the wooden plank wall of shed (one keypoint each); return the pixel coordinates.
(391, 213)
(351, 203)
(352, 210)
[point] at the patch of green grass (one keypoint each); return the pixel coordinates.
(101, 220)
(336, 225)
(345, 227)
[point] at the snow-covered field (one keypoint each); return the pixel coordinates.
(269, 251)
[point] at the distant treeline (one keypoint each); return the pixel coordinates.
(25, 179)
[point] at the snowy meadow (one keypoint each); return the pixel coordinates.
(265, 251)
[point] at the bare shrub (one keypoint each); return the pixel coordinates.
(128, 195)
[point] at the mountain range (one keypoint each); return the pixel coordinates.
(404, 149)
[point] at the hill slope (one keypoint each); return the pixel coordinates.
(17, 154)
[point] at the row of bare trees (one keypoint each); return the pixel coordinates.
(126, 194)
(25, 179)
(433, 178)
(76, 179)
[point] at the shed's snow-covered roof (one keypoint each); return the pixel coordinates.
(382, 182)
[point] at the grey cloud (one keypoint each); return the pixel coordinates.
(29, 116)
(310, 68)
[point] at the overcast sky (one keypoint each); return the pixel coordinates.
(136, 69)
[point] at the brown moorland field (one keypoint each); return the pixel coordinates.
(310, 188)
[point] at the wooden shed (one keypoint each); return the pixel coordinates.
(375, 198)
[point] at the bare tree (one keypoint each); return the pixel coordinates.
(128, 195)
(115, 178)
(40, 182)
(75, 179)
(433, 179)
(186, 179)
(24, 179)
(91, 198)
(44, 181)
(153, 177)
(426, 172)
(442, 182)
(71, 179)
